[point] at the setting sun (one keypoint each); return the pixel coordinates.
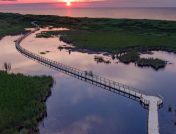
(68, 2)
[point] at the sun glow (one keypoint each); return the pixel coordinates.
(68, 2)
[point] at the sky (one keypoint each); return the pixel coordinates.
(103, 3)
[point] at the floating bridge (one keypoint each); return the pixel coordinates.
(150, 102)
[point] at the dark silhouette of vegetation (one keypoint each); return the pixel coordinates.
(134, 57)
(22, 102)
(48, 34)
(7, 67)
(45, 52)
(60, 48)
(100, 59)
(42, 53)
(170, 109)
(129, 57)
(150, 62)
(64, 47)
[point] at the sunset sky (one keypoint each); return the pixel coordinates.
(128, 3)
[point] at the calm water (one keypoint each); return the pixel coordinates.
(55, 9)
(76, 107)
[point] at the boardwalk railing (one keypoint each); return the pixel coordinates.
(87, 76)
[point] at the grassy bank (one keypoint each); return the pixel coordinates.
(11, 25)
(22, 102)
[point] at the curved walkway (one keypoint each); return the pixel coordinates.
(152, 103)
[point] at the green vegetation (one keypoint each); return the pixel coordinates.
(115, 36)
(100, 59)
(134, 57)
(151, 62)
(129, 57)
(119, 41)
(112, 35)
(22, 102)
(10, 25)
(7, 66)
(65, 47)
(47, 34)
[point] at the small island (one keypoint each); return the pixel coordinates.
(134, 57)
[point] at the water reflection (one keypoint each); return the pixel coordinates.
(84, 100)
(77, 107)
(68, 10)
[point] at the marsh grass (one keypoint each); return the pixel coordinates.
(100, 34)
(110, 35)
(7, 66)
(22, 102)
(134, 57)
(129, 57)
(100, 59)
(151, 62)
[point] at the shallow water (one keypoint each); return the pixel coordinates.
(79, 108)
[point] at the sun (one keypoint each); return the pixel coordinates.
(68, 3)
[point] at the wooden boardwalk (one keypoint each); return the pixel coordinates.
(153, 103)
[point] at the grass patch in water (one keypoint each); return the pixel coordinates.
(129, 57)
(134, 57)
(151, 62)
